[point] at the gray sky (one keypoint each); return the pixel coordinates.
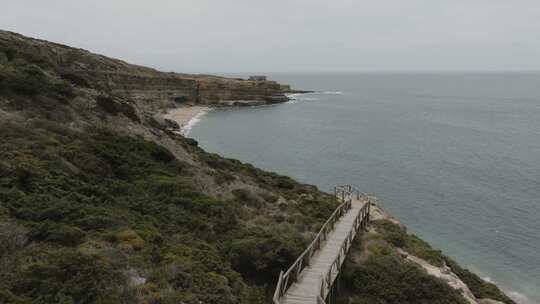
(291, 35)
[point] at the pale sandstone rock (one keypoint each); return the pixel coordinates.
(489, 301)
(444, 273)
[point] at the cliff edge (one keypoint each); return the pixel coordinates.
(148, 87)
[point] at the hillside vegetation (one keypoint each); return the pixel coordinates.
(101, 203)
(398, 237)
(108, 210)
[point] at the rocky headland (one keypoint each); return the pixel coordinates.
(148, 87)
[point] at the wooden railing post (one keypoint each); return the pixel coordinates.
(368, 208)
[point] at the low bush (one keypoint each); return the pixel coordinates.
(68, 276)
(389, 279)
(480, 288)
(75, 79)
(27, 79)
(398, 236)
(115, 106)
(259, 254)
(246, 197)
(57, 233)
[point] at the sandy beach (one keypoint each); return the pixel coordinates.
(186, 117)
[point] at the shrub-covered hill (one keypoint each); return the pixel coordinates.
(96, 217)
(100, 202)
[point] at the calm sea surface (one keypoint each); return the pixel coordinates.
(456, 157)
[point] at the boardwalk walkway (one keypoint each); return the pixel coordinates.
(311, 277)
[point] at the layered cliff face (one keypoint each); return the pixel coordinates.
(146, 86)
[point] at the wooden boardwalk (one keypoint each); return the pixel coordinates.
(311, 277)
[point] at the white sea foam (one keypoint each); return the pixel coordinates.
(294, 98)
(514, 295)
(520, 298)
(185, 129)
(332, 92)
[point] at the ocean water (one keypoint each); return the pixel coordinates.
(456, 157)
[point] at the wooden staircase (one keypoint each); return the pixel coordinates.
(311, 277)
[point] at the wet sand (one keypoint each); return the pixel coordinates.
(186, 117)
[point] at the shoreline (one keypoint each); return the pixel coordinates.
(186, 117)
(518, 296)
(189, 115)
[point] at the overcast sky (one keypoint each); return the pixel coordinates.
(291, 35)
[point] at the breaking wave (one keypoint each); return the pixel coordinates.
(331, 92)
(516, 296)
(192, 122)
(294, 98)
(520, 298)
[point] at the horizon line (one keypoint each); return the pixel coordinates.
(497, 71)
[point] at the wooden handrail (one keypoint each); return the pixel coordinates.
(327, 279)
(280, 280)
(291, 275)
(287, 278)
(353, 190)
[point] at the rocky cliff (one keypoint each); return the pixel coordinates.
(143, 85)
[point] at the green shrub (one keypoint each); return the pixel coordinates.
(63, 91)
(285, 183)
(270, 198)
(398, 236)
(10, 53)
(129, 239)
(6, 296)
(199, 273)
(13, 237)
(58, 233)
(75, 79)
(97, 222)
(68, 276)
(26, 80)
(480, 288)
(259, 254)
(246, 197)
(389, 279)
(116, 106)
